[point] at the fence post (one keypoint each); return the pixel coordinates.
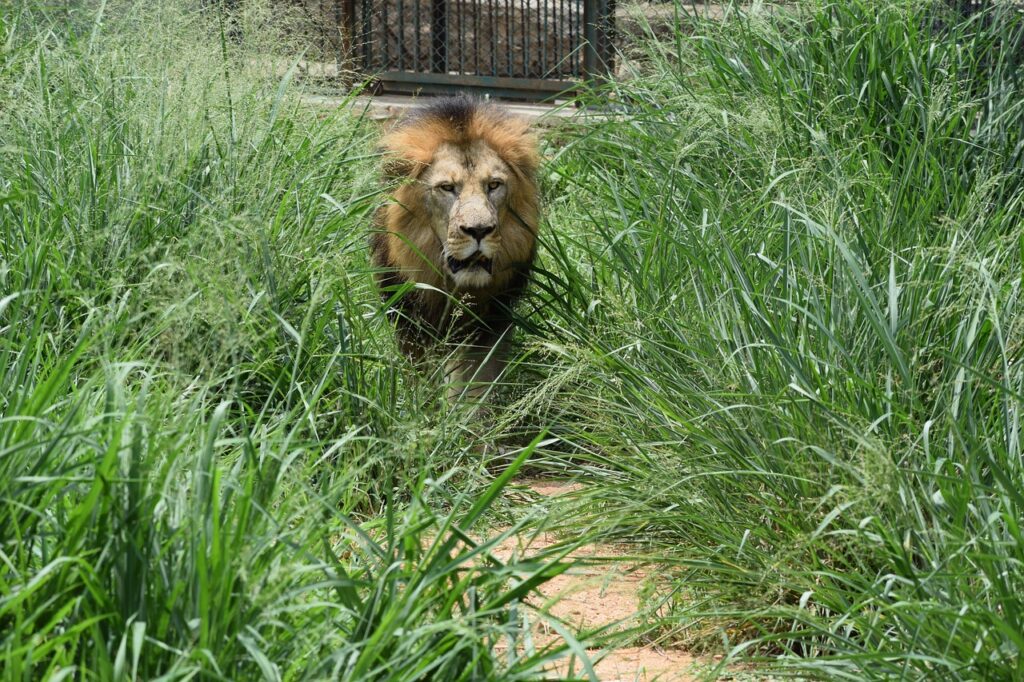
(439, 36)
(590, 11)
(598, 24)
(345, 18)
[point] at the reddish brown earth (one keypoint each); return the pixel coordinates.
(604, 590)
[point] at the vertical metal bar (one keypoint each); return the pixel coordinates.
(401, 47)
(439, 36)
(606, 32)
(477, 68)
(563, 54)
(384, 26)
(416, 43)
(348, 35)
(573, 30)
(352, 31)
(538, 11)
(556, 41)
(564, 38)
(461, 9)
(542, 22)
(340, 36)
(508, 37)
(526, 38)
(494, 36)
(364, 37)
(591, 9)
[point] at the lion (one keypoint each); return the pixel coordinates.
(455, 247)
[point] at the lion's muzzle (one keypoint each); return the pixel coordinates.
(477, 258)
(472, 239)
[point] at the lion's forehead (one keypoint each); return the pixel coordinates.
(466, 163)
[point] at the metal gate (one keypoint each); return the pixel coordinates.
(507, 48)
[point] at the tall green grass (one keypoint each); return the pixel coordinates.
(775, 329)
(212, 464)
(790, 262)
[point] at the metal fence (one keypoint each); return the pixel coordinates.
(508, 48)
(529, 49)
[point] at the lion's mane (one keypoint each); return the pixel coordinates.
(405, 249)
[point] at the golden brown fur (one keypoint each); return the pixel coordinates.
(464, 223)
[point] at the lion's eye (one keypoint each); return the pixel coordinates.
(447, 187)
(494, 184)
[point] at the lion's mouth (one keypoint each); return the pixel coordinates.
(477, 260)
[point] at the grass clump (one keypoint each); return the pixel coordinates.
(210, 462)
(791, 260)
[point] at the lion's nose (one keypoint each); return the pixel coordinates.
(477, 232)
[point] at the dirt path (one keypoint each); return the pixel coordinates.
(601, 592)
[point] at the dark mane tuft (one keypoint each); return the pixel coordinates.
(456, 110)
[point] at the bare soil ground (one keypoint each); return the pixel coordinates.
(603, 592)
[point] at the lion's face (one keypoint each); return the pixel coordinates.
(465, 191)
(465, 213)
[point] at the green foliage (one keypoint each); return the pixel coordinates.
(776, 328)
(796, 283)
(210, 462)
